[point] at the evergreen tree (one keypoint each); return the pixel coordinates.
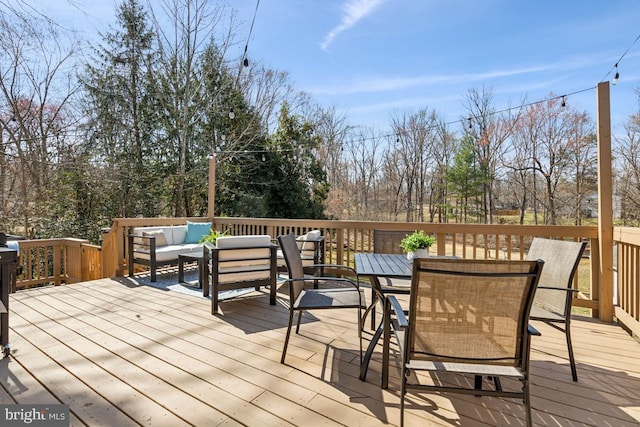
(465, 178)
(300, 182)
(122, 111)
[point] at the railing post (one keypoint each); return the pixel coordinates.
(339, 245)
(605, 202)
(74, 259)
(211, 201)
(58, 268)
(596, 284)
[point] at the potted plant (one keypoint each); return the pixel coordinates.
(417, 244)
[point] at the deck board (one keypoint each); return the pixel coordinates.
(125, 354)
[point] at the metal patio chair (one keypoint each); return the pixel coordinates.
(466, 318)
(552, 303)
(331, 292)
(386, 242)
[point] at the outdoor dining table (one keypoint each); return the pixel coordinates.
(375, 266)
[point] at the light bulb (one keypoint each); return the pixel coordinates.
(232, 113)
(617, 76)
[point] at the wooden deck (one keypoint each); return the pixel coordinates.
(125, 354)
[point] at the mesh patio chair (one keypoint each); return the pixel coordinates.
(552, 303)
(386, 242)
(331, 292)
(467, 318)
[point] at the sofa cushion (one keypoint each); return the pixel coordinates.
(164, 253)
(196, 231)
(244, 257)
(238, 275)
(306, 259)
(304, 244)
(178, 234)
(138, 231)
(226, 242)
(161, 240)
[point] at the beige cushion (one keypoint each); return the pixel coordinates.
(241, 276)
(306, 259)
(161, 239)
(178, 234)
(168, 233)
(226, 242)
(311, 235)
(164, 253)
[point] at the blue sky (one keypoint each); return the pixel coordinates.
(377, 58)
(374, 58)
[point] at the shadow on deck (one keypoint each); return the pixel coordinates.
(119, 352)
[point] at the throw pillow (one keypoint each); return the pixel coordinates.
(196, 230)
(161, 239)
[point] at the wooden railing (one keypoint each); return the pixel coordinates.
(627, 265)
(70, 260)
(57, 261)
(345, 238)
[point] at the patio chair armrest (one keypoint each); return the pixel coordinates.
(336, 266)
(402, 320)
(553, 288)
(315, 279)
(533, 331)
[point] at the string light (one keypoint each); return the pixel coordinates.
(232, 114)
(615, 67)
(564, 101)
(245, 60)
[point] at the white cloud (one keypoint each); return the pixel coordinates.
(354, 11)
(388, 84)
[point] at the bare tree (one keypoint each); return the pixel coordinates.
(583, 161)
(36, 90)
(414, 140)
(556, 134)
(490, 129)
(362, 157)
(628, 150)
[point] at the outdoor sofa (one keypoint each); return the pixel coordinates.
(159, 246)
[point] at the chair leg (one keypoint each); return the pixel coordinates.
(497, 383)
(403, 392)
(360, 327)
(572, 361)
(370, 309)
(299, 320)
(286, 339)
(374, 301)
(527, 403)
(214, 300)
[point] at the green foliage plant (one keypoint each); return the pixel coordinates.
(212, 237)
(417, 240)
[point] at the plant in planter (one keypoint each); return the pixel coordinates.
(417, 244)
(212, 237)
